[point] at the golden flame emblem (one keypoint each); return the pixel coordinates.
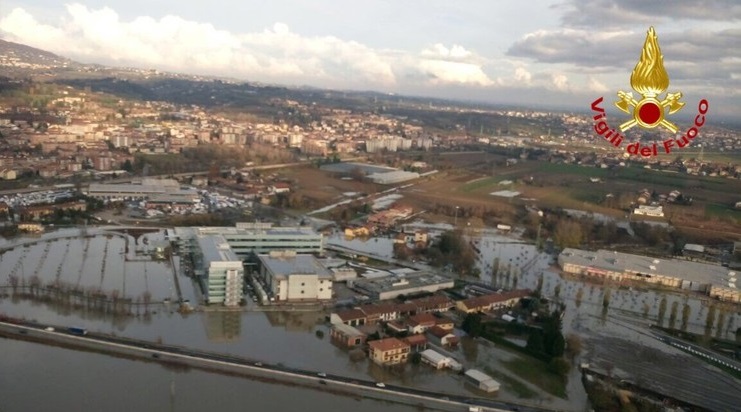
(649, 79)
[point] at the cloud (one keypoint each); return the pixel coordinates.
(595, 85)
(275, 54)
(560, 82)
(689, 56)
(618, 13)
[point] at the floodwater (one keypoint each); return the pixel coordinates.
(297, 339)
(520, 265)
(110, 262)
(37, 377)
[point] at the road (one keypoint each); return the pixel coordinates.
(158, 352)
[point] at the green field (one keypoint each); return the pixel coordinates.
(514, 384)
(479, 184)
(536, 372)
(723, 212)
(636, 174)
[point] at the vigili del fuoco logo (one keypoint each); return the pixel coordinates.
(650, 80)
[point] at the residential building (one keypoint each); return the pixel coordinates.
(346, 336)
(493, 301)
(435, 303)
(417, 343)
(382, 312)
(421, 322)
(441, 337)
(389, 351)
(293, 277)
(351, 317)
(223, 271)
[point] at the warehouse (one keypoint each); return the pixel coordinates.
(481, 380)
(389, 178)
(390, 287)
(715, 280)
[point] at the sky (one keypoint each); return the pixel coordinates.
(560, 54)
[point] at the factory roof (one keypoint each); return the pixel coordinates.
(401, 282)
(703, 273)
(281, 264)
(215, 249)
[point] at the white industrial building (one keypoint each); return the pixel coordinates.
(146, 189)
(292, 277)
(655, 211)
(390, 287)
(247, 238)
(715, 280)
(439, 361)
(389, 178)
(481, 380)
(223, 273)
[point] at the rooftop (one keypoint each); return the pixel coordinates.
(286, 264)
(215, 249)
(401, 282)
(347, 330)
(387, 344)
(486, 300)
(613, 261)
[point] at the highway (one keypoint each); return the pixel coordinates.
(158, 352)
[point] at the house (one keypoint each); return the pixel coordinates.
(396, 326)
(406, 309)
(416, 342)
(383, 312)
(346, 335)
(444, 323)
(389, 351)
(421, 322)
(435, 303)
(350, 317)
(280, 187)
(441, 337)
(493, 301)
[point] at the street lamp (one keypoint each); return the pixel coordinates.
(455, 220)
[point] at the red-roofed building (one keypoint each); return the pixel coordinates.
(351, 317)
(346, 336)
(406, 309)
(383, 312)
(417, 343)
(442, 337)
(493, 301)
(389, 351)
(435, 303)
(421, 322)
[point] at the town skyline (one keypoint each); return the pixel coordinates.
(551, 55)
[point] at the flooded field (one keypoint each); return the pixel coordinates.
(107, 262)
(520, 265)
